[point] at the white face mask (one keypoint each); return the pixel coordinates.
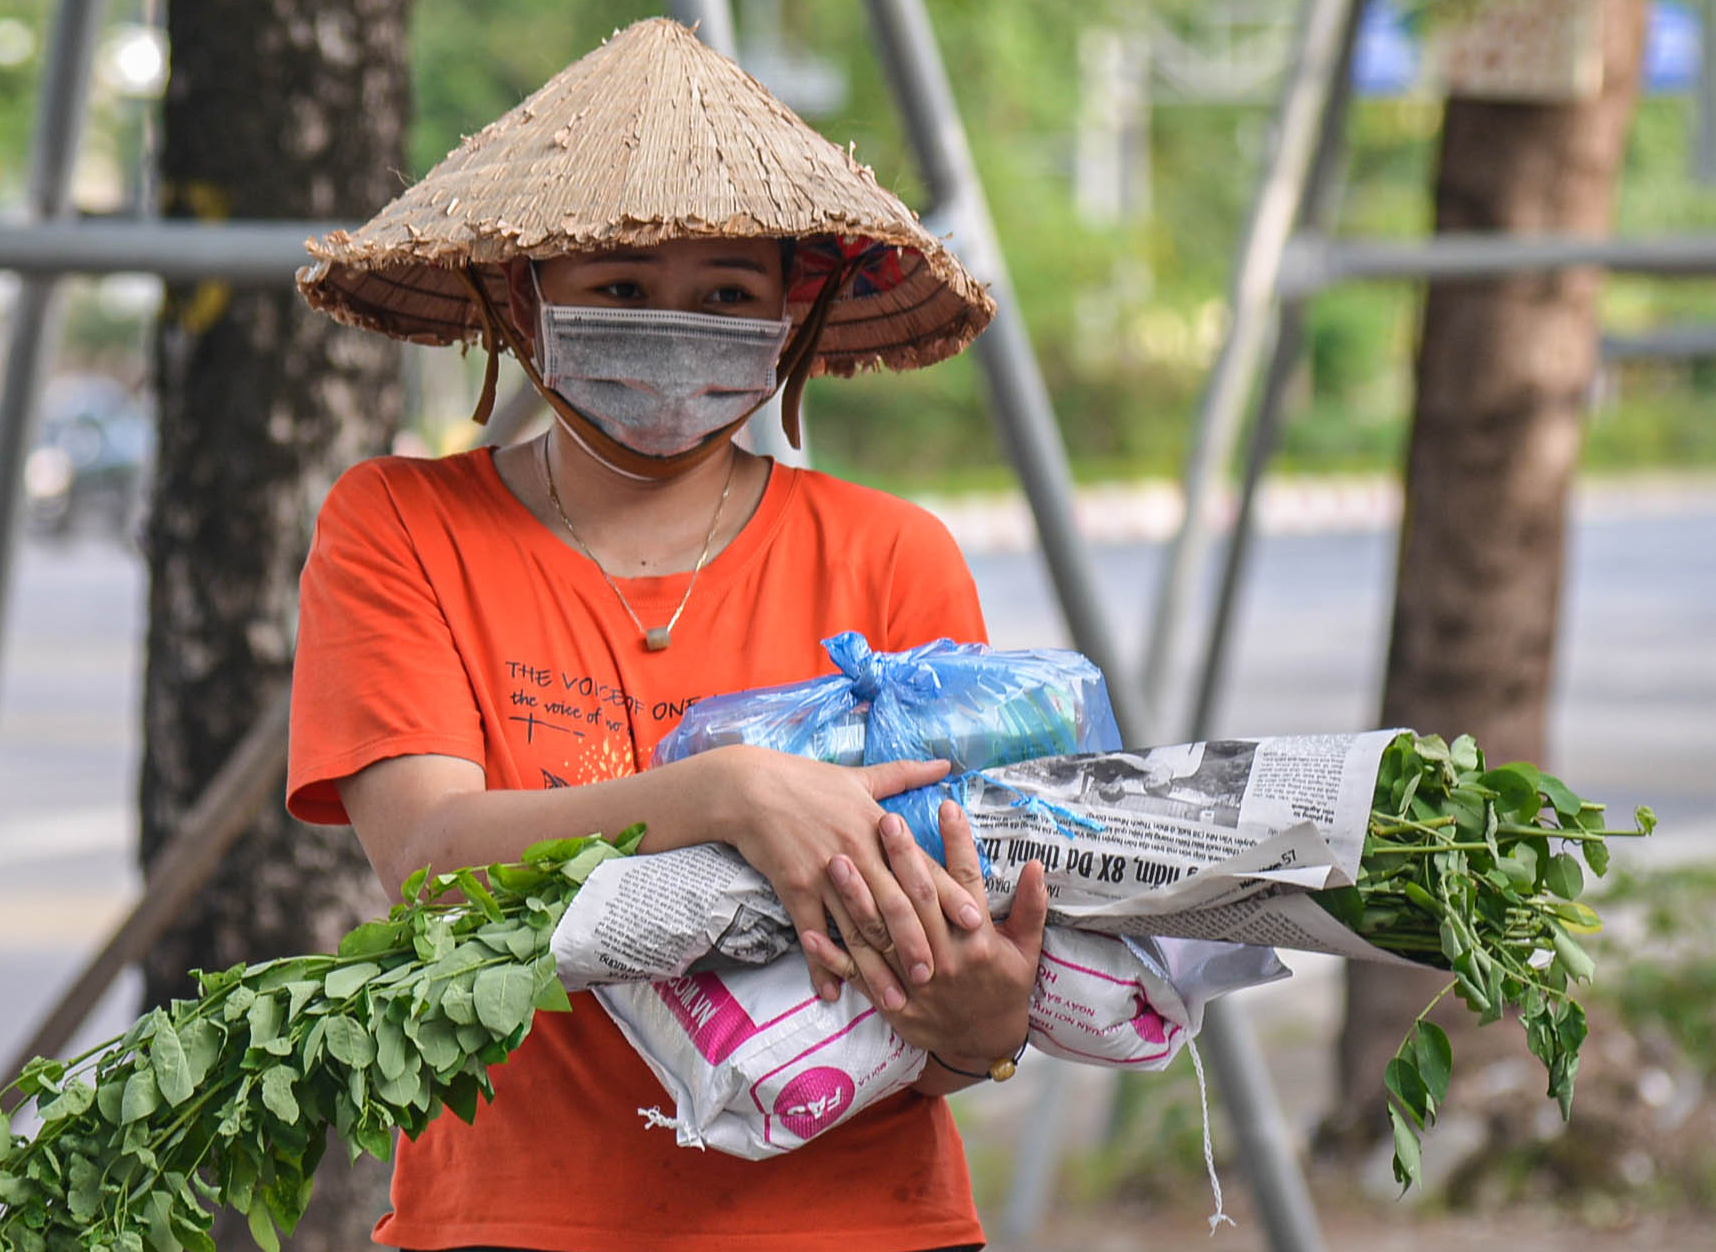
(657, 381)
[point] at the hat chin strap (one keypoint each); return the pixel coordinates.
(798, 358)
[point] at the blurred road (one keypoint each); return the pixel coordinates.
(1634, 714)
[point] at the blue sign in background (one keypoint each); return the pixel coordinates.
(1388, 59)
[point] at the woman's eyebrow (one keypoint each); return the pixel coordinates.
(736, 263)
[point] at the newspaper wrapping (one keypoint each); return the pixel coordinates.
(1143, 850)
(1220, 840)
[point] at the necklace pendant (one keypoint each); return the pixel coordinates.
(656, 638)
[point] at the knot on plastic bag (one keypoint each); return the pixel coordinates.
(904, 675)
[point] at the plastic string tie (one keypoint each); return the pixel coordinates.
(1219, 1216)
(1058, 816)
(654, 1118)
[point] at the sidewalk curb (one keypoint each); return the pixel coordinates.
(1151, 511)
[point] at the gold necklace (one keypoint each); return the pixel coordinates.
(655, 638)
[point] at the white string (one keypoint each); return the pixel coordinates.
(1218, 1217)
(654, 1117)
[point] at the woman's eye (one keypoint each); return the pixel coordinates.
(729, 295)
(622, 289)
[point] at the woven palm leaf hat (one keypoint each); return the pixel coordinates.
(654, 137)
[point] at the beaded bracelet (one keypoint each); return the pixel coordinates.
(1000, 1069)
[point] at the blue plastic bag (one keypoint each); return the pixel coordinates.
(961, 702)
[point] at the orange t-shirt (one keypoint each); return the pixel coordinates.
(439, 616)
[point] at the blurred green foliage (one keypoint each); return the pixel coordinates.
(1125, 317)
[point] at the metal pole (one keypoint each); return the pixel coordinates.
(254, 252)
(1704, 145)
(59, 120)
(713, 20)
(1018, 397)
(1313, 262)
(1252, 305)
(1316, 214)
(1032, 438)
(246, 782)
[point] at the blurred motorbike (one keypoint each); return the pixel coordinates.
(89, 468)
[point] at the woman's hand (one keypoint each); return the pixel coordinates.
(974, 1009)
(804, 825)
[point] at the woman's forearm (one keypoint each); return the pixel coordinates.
(415, 811)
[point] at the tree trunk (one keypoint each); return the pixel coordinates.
(275, 109)
(1504, 368)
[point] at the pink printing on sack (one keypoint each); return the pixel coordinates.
(814, 1100)
(710, 1015)
(1148, 1022)
(1150, 1025)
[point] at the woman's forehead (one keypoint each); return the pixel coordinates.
(762, 255)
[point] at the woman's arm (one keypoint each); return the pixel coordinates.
(788, 816)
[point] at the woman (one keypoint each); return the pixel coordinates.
(492, 644)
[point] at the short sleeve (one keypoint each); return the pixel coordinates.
(377, 672)
(932, 594)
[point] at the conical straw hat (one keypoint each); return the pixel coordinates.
(652, 137)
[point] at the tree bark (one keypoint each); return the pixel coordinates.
(274, 109)
(1504, 368)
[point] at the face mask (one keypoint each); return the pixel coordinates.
(655, 381)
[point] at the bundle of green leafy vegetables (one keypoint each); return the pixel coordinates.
(226, 1100)
(1472, 870)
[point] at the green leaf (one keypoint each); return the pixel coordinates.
(412, 887)
(1596, 856)
(516, 878)
(1431, 748)
(1435, 1057)
(1403, 1081)
(1571, 956)
(264, 1017)
(348, 1042)
(40, 1074)
(402, 1088)
(579, 867)
(201, 1040)
(238, 1002)
(142, 1097)
(1562, 877)
(626, 842)
(552, 998)
(376, 1140)
(1560, 797)
(1408, 1165)
(390, 1048)
(456, 1003)
(1464, 755)
(172, 1072)
(1515, 786)
(72, 1102)
(502, 996)
(277, 1095)
(552, 850)
(372, 939)
(83, 1197)
(346, 981)
(478, 894)
(461, 1097)
(262, 1229)
(439, 1044)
